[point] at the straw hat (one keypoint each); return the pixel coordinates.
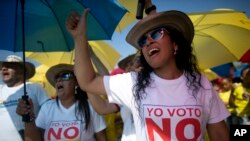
(13, 59)
(125, 61)
(173, 18)
(56, 69)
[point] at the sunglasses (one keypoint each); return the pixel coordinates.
(12, 65)
(64, 76)
(155, 35)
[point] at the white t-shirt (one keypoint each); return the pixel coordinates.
(128, 133)
(10, 121)
(168, 110)
(60, 123)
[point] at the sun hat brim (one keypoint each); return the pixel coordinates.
(125, 61)
(173, 18)
(54, 70)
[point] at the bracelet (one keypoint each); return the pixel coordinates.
(149, 9)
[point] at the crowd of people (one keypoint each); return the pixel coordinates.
(158, 93)
(235, 95)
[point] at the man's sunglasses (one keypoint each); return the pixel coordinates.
(155, 35)
(12, 65)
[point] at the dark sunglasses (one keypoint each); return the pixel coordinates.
(155, 35)
(12, 65)
(64, 76)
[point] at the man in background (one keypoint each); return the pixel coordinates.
(12, 75)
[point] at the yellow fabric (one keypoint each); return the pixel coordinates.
(103, 50)
(225, 98)
(118, 125)
(130, 16)
(110, 130)
(218, 39)
(215, 31)
(206, 137)
(40, 78)
(127, 20)
(211, 75)
(130, 5)
(240, 103)
(106, 53)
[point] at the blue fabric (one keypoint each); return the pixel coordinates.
(45, 23)
(223, 70)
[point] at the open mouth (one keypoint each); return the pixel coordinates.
(153, 51)
(59, 87)
(5, 73)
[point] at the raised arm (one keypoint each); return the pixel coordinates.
(101, 105)
(84, 71)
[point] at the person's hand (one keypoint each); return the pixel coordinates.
(149, 5)
(76, 24)
(23, 108)
(246, 96)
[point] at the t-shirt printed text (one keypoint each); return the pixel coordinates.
(164, 123)
(64, 130)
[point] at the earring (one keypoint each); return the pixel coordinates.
(175, 51)
(76, 89)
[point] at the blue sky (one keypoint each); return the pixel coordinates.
(118, 39)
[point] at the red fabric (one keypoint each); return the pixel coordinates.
(117, 71)
(246, 57)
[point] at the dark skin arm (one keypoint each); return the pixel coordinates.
(31, 132)
(101, 105)
(218, 131)
(86, 76)
(101, 136)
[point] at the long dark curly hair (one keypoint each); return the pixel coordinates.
(185, 61)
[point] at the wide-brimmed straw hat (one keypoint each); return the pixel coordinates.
(30, 69)
(173, 18)
(125, 61)
(56, 69)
